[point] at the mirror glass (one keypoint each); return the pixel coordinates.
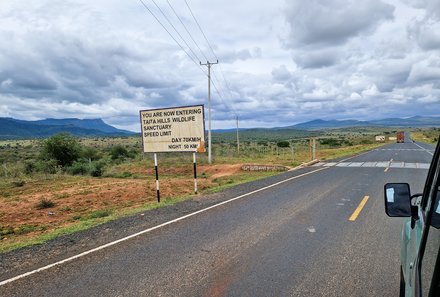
(397, 200)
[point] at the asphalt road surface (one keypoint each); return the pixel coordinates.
(322, 232)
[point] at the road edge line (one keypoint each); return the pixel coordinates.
(152, 229)
(424, 149)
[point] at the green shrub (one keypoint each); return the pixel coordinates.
(18, 183)
(29, 167)
(283, 143)
(24, 229)
(97, 168)
(89, 153)
(100, 214)
(5, 231)
(84, 167)
(47, 166)
(118, 152)
(45, 203)
(79, 168)
(63, 148)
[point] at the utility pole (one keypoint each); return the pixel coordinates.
(238, 139)
(209, 108)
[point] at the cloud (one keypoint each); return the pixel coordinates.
(317, 58)
(333, 22)
(285, 61)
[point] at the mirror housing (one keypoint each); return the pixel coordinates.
(397, 200)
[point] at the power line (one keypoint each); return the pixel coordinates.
(187, 31)
(212, 50)
(222, 97)
(200, 28)
(169, 22)
(192, 59)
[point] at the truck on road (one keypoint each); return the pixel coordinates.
(400, 137)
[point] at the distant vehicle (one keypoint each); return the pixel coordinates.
(400, 137)
(420, 243)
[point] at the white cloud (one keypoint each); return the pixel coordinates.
(285, 61)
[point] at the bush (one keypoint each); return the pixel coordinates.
(99, 214)
(283, 143)
(87, 168)
(79, 168)
(45, 203)
(47, 166)
(90, 153)
(118, 152)
(63, 148)
(29, 167)
(18, 183)
(332, 142)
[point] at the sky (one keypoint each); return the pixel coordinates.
(281, 62)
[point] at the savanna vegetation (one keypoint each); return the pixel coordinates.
(63, 184)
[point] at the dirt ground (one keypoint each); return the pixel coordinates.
(81, 198)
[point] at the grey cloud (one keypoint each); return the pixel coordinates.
(426, 33)
(425, 71)
(317, 58)
(230, 56)
(281, 74)
(333, 22)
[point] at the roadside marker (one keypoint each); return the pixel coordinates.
(157, 177)
(195, 172)
(358, 209)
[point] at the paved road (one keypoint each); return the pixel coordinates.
(293, 239)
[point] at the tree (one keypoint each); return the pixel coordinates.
(63, 148)
(283, 143)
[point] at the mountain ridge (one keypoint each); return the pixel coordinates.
(319, 124)
(11, 128)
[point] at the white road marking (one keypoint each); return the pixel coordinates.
(386, 164)
(154, 228)
(423, 149)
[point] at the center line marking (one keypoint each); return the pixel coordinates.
(359, 209)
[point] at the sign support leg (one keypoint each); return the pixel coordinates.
(157, 178)
(195, 173)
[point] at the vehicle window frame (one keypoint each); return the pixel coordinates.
(429, 191)
(430, 176)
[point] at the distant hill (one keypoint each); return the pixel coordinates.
(319, 124)
(416, 121)
(18, 129)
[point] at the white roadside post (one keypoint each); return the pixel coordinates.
(157, 177)
(195, 172)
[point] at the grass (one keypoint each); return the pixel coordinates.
(82, 219)
(430, 136)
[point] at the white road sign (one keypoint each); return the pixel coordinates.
(176, 129)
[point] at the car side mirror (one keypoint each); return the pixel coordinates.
(397, 200)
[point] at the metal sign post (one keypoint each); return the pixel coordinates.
(195, 173)
(157, 177)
